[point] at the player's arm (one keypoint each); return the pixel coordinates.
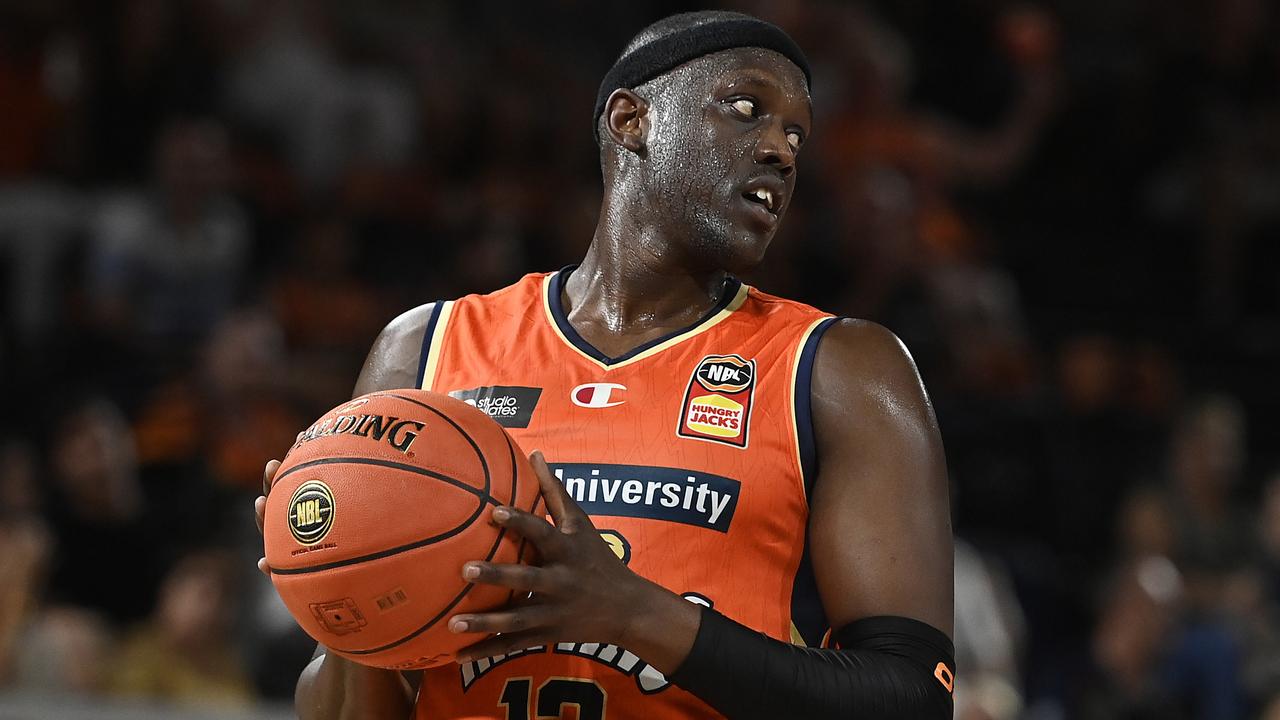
(331, 688)
(880, 538)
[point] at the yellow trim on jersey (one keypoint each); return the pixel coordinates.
(791, 404)
(437, 346)
(796, 637)
(738, 300)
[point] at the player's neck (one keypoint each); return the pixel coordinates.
(630, 286)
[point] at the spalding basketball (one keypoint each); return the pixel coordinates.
(373, 513)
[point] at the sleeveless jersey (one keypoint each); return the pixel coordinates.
(691, 454)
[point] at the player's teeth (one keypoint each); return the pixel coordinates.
(765, 196)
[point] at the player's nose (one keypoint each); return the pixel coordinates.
(773, 149)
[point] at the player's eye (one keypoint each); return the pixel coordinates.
(744, 107)
(795, 140)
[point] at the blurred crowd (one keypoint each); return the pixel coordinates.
(1068, 211)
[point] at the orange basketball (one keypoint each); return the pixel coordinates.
(373, 513)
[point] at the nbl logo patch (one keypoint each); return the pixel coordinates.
(717, 402)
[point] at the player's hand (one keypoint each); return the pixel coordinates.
(581, 592)
(260, 504)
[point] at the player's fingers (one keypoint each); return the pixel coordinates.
(522, 599)
(530, 617)
(563, 509)
(268, 474)
(504, 644)
(545, 537)
(262, 567)
(259, 511)
(525, 578)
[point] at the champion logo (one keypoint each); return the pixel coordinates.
(598, 395)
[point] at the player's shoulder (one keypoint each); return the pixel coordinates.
(529, 285)
(863, 359)
(867, 339)
(409, 325)
(773, 310)
(854, 361)
(392, 361)
(516, 298)
(409, 322)
(394, 358)
(777, 303)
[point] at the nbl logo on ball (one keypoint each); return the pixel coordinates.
(311, 512)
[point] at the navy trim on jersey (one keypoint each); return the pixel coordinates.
(426, 342)
(727, 294)
(804, 405)
(807, 613)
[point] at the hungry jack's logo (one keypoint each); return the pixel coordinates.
(717, 402)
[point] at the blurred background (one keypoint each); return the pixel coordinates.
(1069, 211)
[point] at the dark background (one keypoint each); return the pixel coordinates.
(1069, 212)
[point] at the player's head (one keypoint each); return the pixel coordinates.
(702, 113)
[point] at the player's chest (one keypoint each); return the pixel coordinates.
(697, 405)
(700, 442)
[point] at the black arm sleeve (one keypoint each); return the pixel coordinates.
(886, 668)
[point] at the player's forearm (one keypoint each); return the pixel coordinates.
(662, 628)
(331, 688)
(888, 668)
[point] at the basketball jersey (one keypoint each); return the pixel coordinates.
(691, 453)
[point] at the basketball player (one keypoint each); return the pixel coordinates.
(748, 498)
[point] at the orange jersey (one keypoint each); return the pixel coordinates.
(691, 453)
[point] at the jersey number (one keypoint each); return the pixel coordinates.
(554, 694)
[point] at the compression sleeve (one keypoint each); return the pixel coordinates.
(886, 668)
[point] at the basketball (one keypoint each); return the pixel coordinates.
(374, 511)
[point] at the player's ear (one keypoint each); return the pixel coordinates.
(627, 119)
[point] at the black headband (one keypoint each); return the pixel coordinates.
(670, 51)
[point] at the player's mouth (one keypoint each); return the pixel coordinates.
(764, 197)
